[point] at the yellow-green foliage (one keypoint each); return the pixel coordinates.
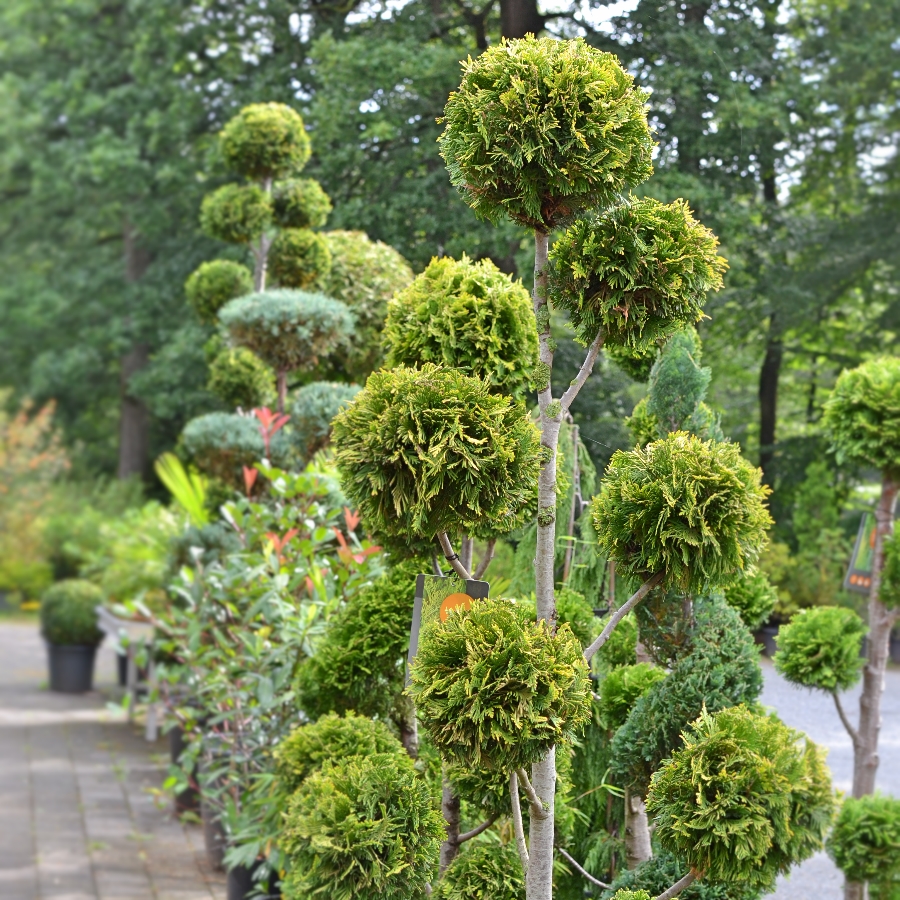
(865, 842)
(541, 129)
(621, 689)
(68, 613)
(300, 203)
(691, 509)
(483, 872)
(240, 378)
(265, 140)
(753, 596)
(422, 451)
(468, 315)
(236, 213)
(625, 894)
(298, 257)
(637, 272)
(213, 284)
(573, 610)
(494, 688)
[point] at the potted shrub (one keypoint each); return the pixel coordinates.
(69, 625)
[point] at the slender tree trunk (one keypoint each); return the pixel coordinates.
(768, 400)
(466, 549)
(637, 831)
(450, 809)
(520, 17)
(281, 387)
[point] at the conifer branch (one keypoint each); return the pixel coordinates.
(583, 373)
(468, 835)
(452, 557)
(581, 870)
(537, 805)
(486, 559)
(621, 612)
(518, 829)
(678, 887)
(854, 734)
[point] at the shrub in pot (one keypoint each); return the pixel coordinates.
(69, 625)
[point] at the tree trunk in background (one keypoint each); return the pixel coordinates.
(450, 809)
(637, 831)
(768, 401)
(520, 17)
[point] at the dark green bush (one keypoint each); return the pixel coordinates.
(753, 596)
(68, 613)
(300, 203)
(213, 284)
(298, 257)
(240, 378)
(622, 688)
(265, 140)
(483, 872)
(236, 213)
(313, 409)
(865, 842)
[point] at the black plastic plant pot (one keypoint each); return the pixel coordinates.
(241, 885)
(71, 667)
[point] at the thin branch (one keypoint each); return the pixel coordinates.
(468, 835)
(586, 367)
(581, 870)
(436, 567)
(518, 830)
(451, 557)
(854, 734)
(621, 612)
(486, 559)
(534, 801)
(678, 887)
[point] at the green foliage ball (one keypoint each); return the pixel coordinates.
(289, 329)
(467, 315)
(863, 415)
(422, 451)
(265, 140)
(240, 378)
(744, 799)
(494, 688)
(68, 613)
(819, 648)
(541, 129)
(691, 509)
(362, 828)
(889, 593)
(865, 842)
(236, 213)
(298, 257)
(622, 688)
(300, 203)
(753, 596)
(313, 409)
(213, 284)
(636, 272)
(483, 871)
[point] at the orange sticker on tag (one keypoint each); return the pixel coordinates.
(455, 601)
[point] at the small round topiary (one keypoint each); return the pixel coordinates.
(423, 451)
(298, 257)
(744, 799)
(863, 415)
(494, 688)
(483, 871)
(69, 613)
(240, 378)
(300, 203)
(265, 140)
(753, 596)
(213, 284)
(865, 841)
(690, 509)
(313, 410)
(236, 213)
(541, 129)
(468, 315)
(622, 688)
(819, 648)
(637, 272)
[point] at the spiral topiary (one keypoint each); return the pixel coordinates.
(264, 141)
(753, 596)
(541, 129)
(622, 688)
(482, 871)
(865, 842)
(313, 410)
(637, 272)
(300, 203)
(468, 315)
(298, 257)
(690, 509)
(423, 451)
(240, 378)
(236, 213)
(69, 613)
(213, 284)
(494, 688)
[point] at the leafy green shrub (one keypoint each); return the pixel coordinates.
(889, 594)
(637, 272)
(298, 257)
(483, 871)
(422, 451)
(467, 315)
(742, 800)
(361, 828)
(622, 688)
(691, 509)
(495, 688)
(265, 140)
(300, 203)
(236, 213)
(68, 613)
(819, 648)
(753, 596)
(240, 378)
(540, 129)
(213, 284)
(312, 411)
(865, 842)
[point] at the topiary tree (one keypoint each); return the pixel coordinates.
(313, 409)
(753, 596)
(213, 284)
(240, 379)
(481, 871)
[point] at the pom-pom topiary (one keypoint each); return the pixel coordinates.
(483, 871)
(213, 284)
(753, 596)
(495, 688)
(637, 272)
(300, 203)
(298, 257)
(743, 800)
(265, 140)
(865, 842)
(240, 378)
(819, 648)
(69, 613)
(423, 451)
(312, 411)
(235, 213)
(468, 315)
(541, 129)
(689, 509)
(622, 688)
(363, 828)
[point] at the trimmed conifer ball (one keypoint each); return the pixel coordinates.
(863, 415)
(690, 509)
(753, 596)
(213, 284)
(236, 213)
(493, 688)
(865, 841)
(744, 799)
(300, 203)
(541, 129)
(468, 315)
(265, 140)
(313, 410)
(819, 648)
(423, 451)
(290, 330)
(483, 871)
(298, 257)
(239, 378)
(638, 272)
